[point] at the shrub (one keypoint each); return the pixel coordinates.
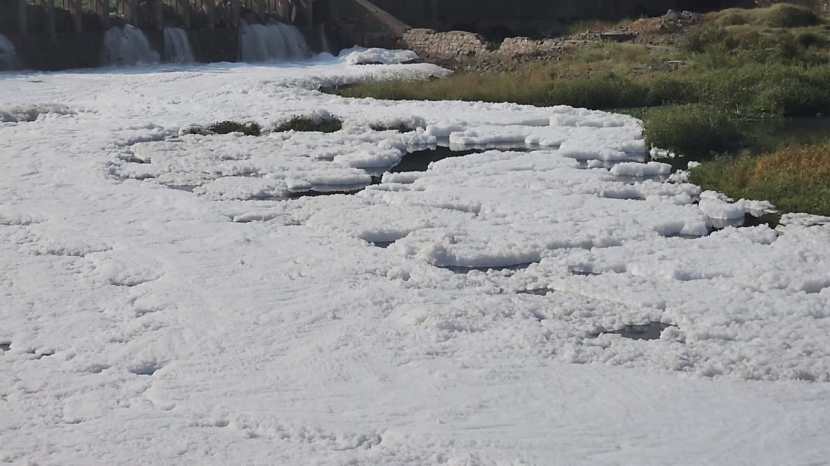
(603, 92)
(807, 39)
(665, 90)
(702, 38)
(695, 131)
(784, 15)
(794, 96)
(795, 179)
(732, 17)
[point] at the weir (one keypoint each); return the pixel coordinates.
(8, 55)
(273, 42)
(60, 34)
(128, 46)
(177, 46)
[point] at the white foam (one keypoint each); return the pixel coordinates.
(376, 56)
(154, 282)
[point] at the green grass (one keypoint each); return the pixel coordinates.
(795, 179)
(696, 131)
(781, 15)
(746, 90)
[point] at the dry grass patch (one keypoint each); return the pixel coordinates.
(795, 179)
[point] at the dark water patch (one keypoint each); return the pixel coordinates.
(400, 127)
(132, 158)
(684, 236)
(647, 331)
(40, 354)
(182, 187)
(5, 346)
(583, 271)
(419, 161)
(382, 244)
(748, 220)
(536, 291)
(315, 193)
(623, 195)
(146, 368)
(508, 268)
(770, 220)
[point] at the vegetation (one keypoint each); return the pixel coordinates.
(759, 62)
(749, 89)
(781, 15)
(692, 129)
(323, 124)
(795, 179)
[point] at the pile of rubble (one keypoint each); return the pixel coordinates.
(672, 22)
(468, 51)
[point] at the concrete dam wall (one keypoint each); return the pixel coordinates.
(61, 34)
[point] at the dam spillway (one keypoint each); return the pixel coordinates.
(273, 42)
(177, 47)
(128, 46)
(8, 54)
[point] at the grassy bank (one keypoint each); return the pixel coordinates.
(795, 179)
(701, 95)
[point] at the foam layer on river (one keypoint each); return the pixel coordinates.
(560, 302)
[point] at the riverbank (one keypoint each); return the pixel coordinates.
(702, 91)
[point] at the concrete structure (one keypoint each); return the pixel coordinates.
(59, 34)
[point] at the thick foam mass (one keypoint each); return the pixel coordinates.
(547, 297)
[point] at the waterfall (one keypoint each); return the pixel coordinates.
(177, 46)
(272, 42)
(128, 46)
(8, 56)
(324, 40)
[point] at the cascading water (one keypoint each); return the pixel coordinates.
(8, 55)
(177, 46)
(324, 40)
(273, 42)
(127, 46)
